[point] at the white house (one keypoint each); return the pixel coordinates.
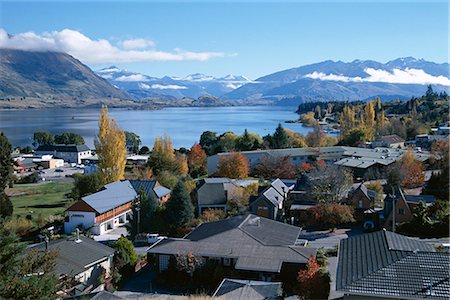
(111, 207)
(70, 153)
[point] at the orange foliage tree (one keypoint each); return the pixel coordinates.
(313, 283)
(306, 166)
(234, 165)
(412, 171)
(197, 161)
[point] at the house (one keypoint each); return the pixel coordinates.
(70, 153)
(385, 265)
(214, 193)
(81, 258)
(389, 141)
(426, 140)
(257, 248)
(270, 203)
(358, 159)
(404, 207)
(236, 289)
(361, 199)
(111, 206)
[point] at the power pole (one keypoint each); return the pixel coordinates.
(393, 208)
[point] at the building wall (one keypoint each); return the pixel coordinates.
(90, 276)
(85, 219)
(358, 196)
(405, 217)
(263, 208)
(211, 194)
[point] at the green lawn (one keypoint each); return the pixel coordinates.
(40, 199)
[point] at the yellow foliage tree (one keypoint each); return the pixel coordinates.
(110, 146)
(347, 120)
(369, 114)
(234, 165)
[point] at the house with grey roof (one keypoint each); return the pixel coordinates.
(389, 141)
(237, 289)
(80, 258)
(111, 206)
(270, 203)
(214, 193)
(69, 153)
(385, 265)
(362, 199)
(258, 248)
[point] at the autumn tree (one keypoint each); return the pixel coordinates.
(238, 199)
(275, 167)
(211, 215)
(332, 214)
(347, 120)
(163, 158)
(189, 263)
(411, 171)
(234, 165)
(196, 159)
(297, 140)
(330, 183)
(312, 282)
(110, 148)
(369, 117)
(315, 138)
(227, 142)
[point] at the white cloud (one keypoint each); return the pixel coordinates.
(90, 51)
(131, 78)
(168, 87)
(137, 44)
(233, 86)
(407, 76)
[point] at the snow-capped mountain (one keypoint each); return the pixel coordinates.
(195, 85)
(357, 80)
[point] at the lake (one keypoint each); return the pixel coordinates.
(183, 124)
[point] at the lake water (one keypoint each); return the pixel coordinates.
(184, 125)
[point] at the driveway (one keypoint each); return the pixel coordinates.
(327, 239)
(112, 235)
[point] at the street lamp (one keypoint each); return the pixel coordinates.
(137, 204)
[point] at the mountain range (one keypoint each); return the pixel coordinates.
(140, 86)
(58, 79)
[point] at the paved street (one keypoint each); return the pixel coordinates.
(327, 239)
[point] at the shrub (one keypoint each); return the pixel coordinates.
(19, 226)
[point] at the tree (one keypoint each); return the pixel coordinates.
(227, 142)
(330, 184)
(297, 140)
(411, 171)
(280, 139)
(316, 137)
(238, 199)
(67, 138)
(144, 150)
(208, 141)
(332, 214)
(347, 120)
(43, 138)
(248, 141)
(85, 185)
(6, 207)
(25, 274)
(125, 256)
(275, 167)
(163, 157)
(189, 263)
(313, 283)
(179, 209)
(196, 159)
(234, 165)
(110, 148)
(369, 114)
(133, 141)
(211, 215)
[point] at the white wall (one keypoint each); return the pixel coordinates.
(86, 219)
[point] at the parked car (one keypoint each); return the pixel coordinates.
(148, 238)
(59, 170)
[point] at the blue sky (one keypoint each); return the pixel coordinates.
(249, 38)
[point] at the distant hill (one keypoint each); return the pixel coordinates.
(357, 80)
(51, 75)
(141, 86)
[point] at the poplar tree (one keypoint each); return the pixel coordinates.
(369, 113)
(110, 147)
(347, 120)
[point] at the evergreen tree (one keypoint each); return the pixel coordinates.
(280, 138)
(67, 138)
(111, 149)
(179, 209)
(19, 269)
(6, 207)
(208, 141)
(43, 138)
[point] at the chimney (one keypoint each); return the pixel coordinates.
(78, 236)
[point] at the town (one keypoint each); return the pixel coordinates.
(359, 215)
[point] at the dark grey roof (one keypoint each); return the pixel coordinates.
(248, 290)
(74, 258)
(143, 185)
(257, 244)
(391, 139)
(428, 199)
(386, 264)
(63, 148)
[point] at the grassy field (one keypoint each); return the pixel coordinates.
(40, 199)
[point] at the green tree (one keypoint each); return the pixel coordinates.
(248, 141)
(43, 138)
(6, 207)
(19, 268)
(133, 141)
(67, 138)
(280, 139)
(125, 254)
(227, 142)
(179, 209)
(208, 141)
(85, 185)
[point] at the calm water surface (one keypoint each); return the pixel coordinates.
(184, 125)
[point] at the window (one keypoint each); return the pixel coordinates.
(77, 216)
(360, 204)
(227, 262)
(263, 208)
(401, 211)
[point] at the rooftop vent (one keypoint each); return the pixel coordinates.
(78, 240)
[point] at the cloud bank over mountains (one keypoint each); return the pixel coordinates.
(99, 51)
(406, 76)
